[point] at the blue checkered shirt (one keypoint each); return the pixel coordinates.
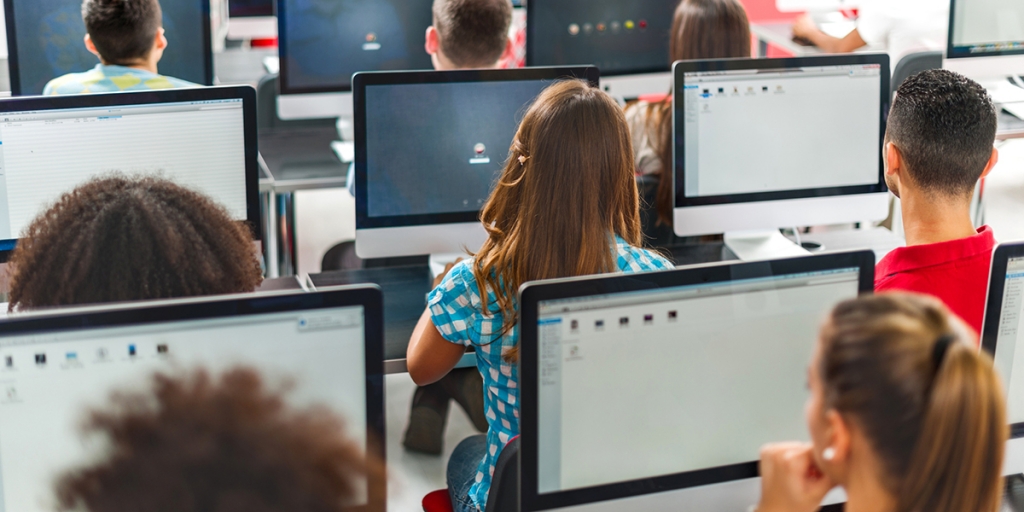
(457, 312)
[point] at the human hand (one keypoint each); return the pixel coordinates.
(447, 268)
(804, 27)
(790, 479)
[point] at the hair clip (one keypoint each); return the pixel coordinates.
(523, 159)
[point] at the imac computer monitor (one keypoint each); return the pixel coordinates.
(251, 19)
(322, 43)
(986, 38)
(429, 147)
(1003, 338)
(45, 41)
(763, 144)
(656, 391)
(203, 139)
(627, 41)
(59, 366)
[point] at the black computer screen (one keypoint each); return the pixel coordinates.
(45, 41)
(619, 37)
(438, 148)
(324, 42)
(244, 8)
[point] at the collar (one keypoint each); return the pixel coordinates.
(906, 259)
(114, 70)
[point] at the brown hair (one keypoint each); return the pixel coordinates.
(701, 29)
(568, 187)
(122, 30)
(122, 239)
(473, 33)
(907, 374)
(224, 444)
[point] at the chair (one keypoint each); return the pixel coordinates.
(913, 64)
(504, 495)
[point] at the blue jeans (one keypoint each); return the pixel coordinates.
(462, 469)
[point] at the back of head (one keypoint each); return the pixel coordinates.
(906, 373)
(944, 125)
(123, 239)
(701, 29)
(219, 444)
(123, 31)
(473, 33)
(568, 187)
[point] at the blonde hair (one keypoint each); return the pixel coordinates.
(907, 373)
(568, 187)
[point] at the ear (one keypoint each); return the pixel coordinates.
(160, 42)
(992, 161)
(893, 160)
(432, 44)
(839, 435)
(90, 46)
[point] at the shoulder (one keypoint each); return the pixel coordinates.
(74, 82)
(167, 82)
(637, 112)
(636, 259)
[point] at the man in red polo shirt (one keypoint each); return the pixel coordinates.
(939, 143)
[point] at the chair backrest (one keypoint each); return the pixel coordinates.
(267, 119)
(504, 494)
(913, 64)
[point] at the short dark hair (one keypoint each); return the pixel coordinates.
(473, 33)
(944, 125)
(219, 443)
(122, 30)
(123, 239)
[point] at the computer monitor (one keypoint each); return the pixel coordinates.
(251, 19)
(986, 38)
(763, 144)
(322, 43)
(429, 147)
(59, 365)
(656, 391)
(203, 138)
(45, 41)
(1003, 338)
(627, 41)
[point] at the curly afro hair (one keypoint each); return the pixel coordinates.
(118, 239)
(226, 443)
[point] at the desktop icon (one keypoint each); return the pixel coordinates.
(574, 325)
(624, 321)
(9, 361)
(131, 350)
(480, 148)
(643, 24)
(587, 28)
(649, 319)
(601, 27)
(478, 156)
(101, 353)
(161, 349)
(71, 357)
(673, 316)
(616, 27)
(40, 359)
(630, 25)
(371, 43)
(599, 325)
(574, 29)
(371, 37)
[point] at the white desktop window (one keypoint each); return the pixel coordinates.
(754, 131)
(989, 25)
(645, 384)
(43, 154)
(1009, 358)
(48, 382)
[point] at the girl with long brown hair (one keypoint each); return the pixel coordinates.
(701, 29)
(904, 414)
(565, 205)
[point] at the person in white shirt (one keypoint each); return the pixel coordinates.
(900, 27)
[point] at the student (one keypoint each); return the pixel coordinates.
(701, 29)
(218, 443)
(565, 205)
(128, 38)
(466, 34)
(939, 143)
(901, 27)
(124, 239)
(904, 415)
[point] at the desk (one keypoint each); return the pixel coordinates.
(1010, 127)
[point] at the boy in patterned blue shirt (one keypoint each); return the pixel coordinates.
(128, 37)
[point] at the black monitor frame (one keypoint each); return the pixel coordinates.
(964, 52)
(12, 46)
(532, 294)
(994, 306)
(360, 81)
(267, 10)
(369, 297)
(681, 68)
(243, 92)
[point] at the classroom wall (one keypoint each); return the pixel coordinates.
(761, 11)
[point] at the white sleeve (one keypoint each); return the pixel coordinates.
(875, 21)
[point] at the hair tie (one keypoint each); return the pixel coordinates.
(523, 159)
(941, 347)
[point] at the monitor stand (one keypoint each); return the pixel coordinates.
(439, 261)
(762, 245)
